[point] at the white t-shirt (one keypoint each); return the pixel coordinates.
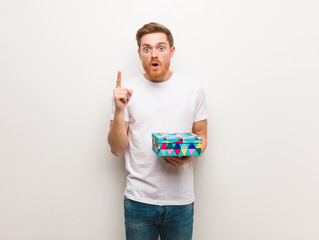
(171, 106)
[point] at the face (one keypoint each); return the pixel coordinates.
(155, 54)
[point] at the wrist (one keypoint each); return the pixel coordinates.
(119, 115)
(119, 111)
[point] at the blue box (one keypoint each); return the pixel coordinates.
(176, 144)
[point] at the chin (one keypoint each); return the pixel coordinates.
(156, 75)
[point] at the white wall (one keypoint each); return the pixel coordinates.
(258, 61)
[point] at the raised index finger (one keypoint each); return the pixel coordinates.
(118, 81)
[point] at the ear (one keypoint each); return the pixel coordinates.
(139, 53)
(171, 52)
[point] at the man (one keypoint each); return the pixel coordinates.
(159, 196)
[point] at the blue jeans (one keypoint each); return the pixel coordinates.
(146, 222)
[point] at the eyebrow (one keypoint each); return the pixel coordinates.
(148, 45)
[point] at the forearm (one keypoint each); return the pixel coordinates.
(204, 143)
(200, 129)
(118, 136)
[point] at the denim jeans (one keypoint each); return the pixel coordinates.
(147, 222)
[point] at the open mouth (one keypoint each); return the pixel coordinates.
(155, 65)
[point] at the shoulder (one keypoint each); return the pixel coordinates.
(187, 82)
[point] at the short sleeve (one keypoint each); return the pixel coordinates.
(201, 112)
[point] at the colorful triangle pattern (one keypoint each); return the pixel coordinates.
(176, 144)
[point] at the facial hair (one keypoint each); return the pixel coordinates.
(156, 73)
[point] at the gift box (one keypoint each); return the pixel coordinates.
(176, 144)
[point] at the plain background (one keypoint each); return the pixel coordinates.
(258, 62)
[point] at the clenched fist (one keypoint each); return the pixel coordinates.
(121, 95)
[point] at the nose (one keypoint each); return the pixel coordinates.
(154, 53)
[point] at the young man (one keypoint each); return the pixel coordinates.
(159, 196)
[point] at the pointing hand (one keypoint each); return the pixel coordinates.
(121, 95)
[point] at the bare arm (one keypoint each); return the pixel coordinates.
(200, 129)
(118, 138)
(118, 134)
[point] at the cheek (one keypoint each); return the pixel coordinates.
(166, 57)
(144, 58)
(169, 55)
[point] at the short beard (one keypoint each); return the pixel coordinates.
(158, 74)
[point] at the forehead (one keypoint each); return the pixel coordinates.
(154, 38)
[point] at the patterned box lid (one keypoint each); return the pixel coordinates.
(177, 138)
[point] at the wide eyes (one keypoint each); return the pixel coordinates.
(146, 49)
(159, 49)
